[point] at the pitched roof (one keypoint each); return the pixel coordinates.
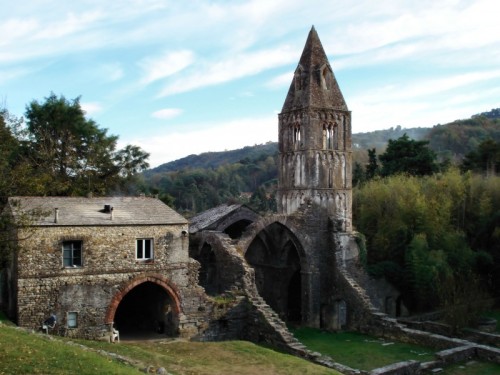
(76, 211)
(314, 84)
(208, 217)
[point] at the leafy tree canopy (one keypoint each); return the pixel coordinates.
(485, 159)
(61, 152)
(405, 155)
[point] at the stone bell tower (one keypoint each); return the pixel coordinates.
(315, 140)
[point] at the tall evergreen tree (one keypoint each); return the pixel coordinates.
(405, 155)
(72, 153)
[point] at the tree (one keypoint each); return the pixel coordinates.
(8, 147)
(423, 231)
(372, 168)
(72, 153)
(16, 173)
(358, 174)
(405, 155)
(485, 159)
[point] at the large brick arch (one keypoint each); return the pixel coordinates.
(160, 280)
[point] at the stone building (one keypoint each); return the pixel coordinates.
(97, 261)
(304, 259)
(136, 263)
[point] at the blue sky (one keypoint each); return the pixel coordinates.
(185, 77)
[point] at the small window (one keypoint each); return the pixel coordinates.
(72, 319)
(144, 249)
(72, 253)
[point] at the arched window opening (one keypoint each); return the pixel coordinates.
(296, 134)
(324, 77)
(208, 270)
(298, 79)
(329, 132)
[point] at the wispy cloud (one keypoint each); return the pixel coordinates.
(217, 137)
(112, 72)
(169, 63)
(91, 108)
(280, 81)
(209, 73)
(418, 89)
(167, 113)
(399, 62)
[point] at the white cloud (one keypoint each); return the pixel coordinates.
(167, 113)
(70, 25)
(166, 65)
(112, 72)
(424, 88)
(91, 108)
(427, 102)
(230, 68)
(165, 147)
(280, 81)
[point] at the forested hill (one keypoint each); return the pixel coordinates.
(376, 139)
(209, 160)
(452, 140)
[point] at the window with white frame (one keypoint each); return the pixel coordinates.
(72, 319)
(72, 253)
(144, 249)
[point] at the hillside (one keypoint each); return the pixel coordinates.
(28, 353)
(453, 139)
(209, 160)
(249, 175)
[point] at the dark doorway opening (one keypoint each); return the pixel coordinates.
(146, 312)
(294, 298)
(208, 277)
(275, 258)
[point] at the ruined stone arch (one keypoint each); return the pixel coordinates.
(276, 253)
(159, 280)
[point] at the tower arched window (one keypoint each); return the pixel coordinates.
(328, 136)
(296, 134)
(335, 136)
(298, 79)
(324, 77)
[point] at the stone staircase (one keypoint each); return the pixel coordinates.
(287, 341)
(264, 323)
(377, 319)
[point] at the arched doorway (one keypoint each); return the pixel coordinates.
(274, 255)
(208, 277)
(146, 311)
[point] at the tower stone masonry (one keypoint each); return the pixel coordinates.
(315, 140)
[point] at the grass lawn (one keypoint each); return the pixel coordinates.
(360, 351)
(25, 353)
(228, 357)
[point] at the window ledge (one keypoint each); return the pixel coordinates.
(144, 261)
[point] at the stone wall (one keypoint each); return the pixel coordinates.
(108, 270)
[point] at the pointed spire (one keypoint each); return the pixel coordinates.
(314, 84)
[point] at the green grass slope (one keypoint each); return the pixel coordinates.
(26, 353)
